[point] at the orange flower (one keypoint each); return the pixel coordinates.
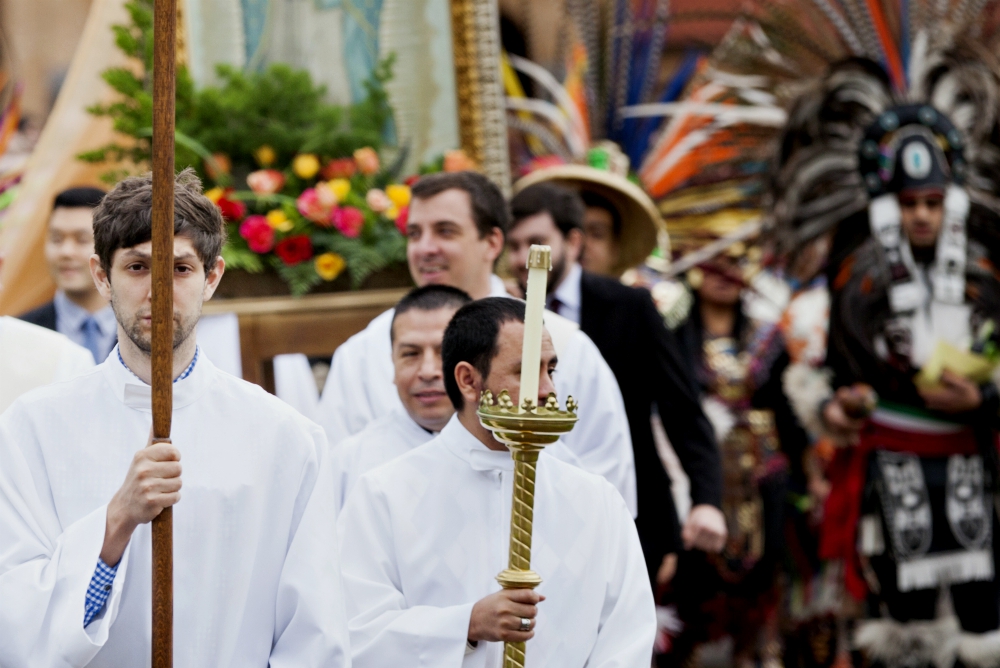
(367, 160)
(219, 166)
(458, 161)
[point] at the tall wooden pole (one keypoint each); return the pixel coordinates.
(164, 65)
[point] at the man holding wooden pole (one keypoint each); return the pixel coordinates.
(257, 579)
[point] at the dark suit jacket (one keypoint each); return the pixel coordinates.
(646, 359)
(43, 316)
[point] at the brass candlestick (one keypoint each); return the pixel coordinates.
(525, 431)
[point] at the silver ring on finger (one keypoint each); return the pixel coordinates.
(525, 624)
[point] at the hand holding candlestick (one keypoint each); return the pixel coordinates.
(525, 430)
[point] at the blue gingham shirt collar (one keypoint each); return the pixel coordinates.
(187, 371)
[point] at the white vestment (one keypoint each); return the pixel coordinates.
(424, 536)
(256, 577)
(32, 356)
(360, 389)
(385, 439)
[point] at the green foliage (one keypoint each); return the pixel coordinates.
(301, 278)
(238, 256)
(281, 108)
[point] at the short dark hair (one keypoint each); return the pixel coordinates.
(599, 201)
(489, 208)
(473, 336)
(428, 298)
(73, 198)
(124, 218)
(564, 205)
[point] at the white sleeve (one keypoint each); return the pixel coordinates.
(343, 408)
(384, 630)
(601, 438)
(44, 569)
(73, 360)
(295, 384)
(310, 626)
(627, 628)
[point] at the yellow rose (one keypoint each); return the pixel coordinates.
(340, 188)
(329, 266)
(392, 213)
(399, 194)
(305, 165)
(215, 194)
(277, 219)
(265, 156)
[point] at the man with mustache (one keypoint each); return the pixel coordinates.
(417, 328)
(424, 535)
(455, 233)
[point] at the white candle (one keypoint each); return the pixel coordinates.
(539, 264)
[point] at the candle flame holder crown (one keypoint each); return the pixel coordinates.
(525, 431)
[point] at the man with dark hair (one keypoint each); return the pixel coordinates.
(75, 568)
(602, 231)
(425, 535)
(455, 233)
(78, 310)
(418, 325)
(631, 336)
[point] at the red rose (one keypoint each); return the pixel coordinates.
(258, 233)
(349, 221)
(232, 210)
(410, 180)
(294, 249)
(341, 168)
(401, 219)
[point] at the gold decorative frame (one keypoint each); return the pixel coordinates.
(482, 121)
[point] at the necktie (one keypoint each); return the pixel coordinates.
(92, 338)
(555, 305)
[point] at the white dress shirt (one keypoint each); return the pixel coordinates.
(360, 389)
(568, 295)
(256, 577)
(424, 536)
(71, 316)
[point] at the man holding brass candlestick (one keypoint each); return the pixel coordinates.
(425, 535)
(455, 233)
(914, 315)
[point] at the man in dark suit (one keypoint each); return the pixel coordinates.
(643, 354)
(78, 310)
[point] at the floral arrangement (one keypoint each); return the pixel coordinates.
(315, 218)
(299, 181)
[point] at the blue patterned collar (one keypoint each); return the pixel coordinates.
(187, 371)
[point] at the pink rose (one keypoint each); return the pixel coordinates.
(349, 221)
(266, 181)
(313, 208)
(377, 200)
(404, 214)
(258, 233)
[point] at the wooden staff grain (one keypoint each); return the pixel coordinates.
(164, 77)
